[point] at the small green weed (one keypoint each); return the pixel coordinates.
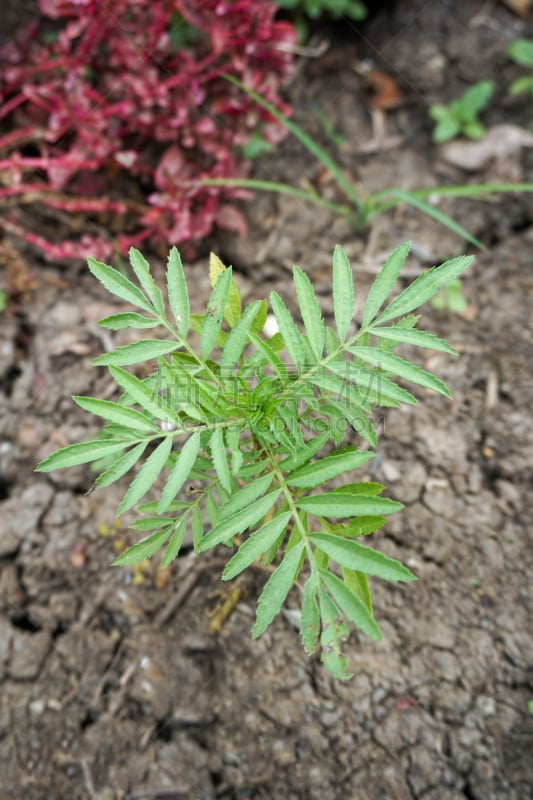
(521, 51)
(304, 10)
(461, 116)
(361, 208)
(451, 298)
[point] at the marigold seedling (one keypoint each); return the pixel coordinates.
(244, 432)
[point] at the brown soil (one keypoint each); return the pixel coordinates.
(107, 692)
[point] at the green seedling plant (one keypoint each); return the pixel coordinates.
(521, 51)
(451, 298)
(461, 116)
(243, 431)
(361, 208)
(304, 10)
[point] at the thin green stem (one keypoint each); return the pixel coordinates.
(279, 188)
(309, 143)
(191, 351)
(292, 506)
(473, 191)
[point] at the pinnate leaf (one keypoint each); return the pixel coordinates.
(289, 331)
(276, 590)
(238, 339)
(178, 297)
(128, 319)
(310, 619)
(338, 504)
(246, 495)
(220, 460)
(128, 354)
(327, 468)
(121, 466)
(343, 292)
(384, 281)
(118, 284)
(232, 312)
(180, 472)
(310, 311)
(116, 413)
(215, 312)
(424, 287)
(146, 475)
(395, 333)
(353, 555)
(239, 522)
(146, 397)
(81, 453)
(353, 609)
(401, 368)
(144, 549)
(142, 271)
(257, 544)
(174, 546)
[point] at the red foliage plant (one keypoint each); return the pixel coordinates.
(98, 92)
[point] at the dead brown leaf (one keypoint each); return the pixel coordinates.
(520, 7)
(386, 91)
